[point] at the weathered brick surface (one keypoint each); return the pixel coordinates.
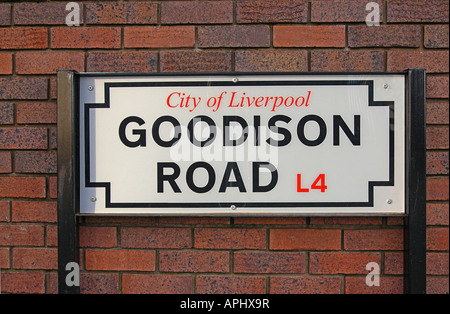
(230, 285)
(23, 88)
(104, 12)
(136, 254)
(134, 61)
(271, 61)
(346, 61)
(271, 11)
(6, 63)
(159, 36)
(30, 38)
(309, 36)
(234, 36)
(29, 13)
(335, 11)
(195, 61)
(85, 37)
(399, 11)
(196, 12)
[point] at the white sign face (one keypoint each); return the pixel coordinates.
(242, 145)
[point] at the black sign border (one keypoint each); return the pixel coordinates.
(371, 184)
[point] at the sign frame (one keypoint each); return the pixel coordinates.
(68, 168)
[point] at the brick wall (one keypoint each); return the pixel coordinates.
(204, 254)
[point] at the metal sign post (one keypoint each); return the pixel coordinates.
(120, 138)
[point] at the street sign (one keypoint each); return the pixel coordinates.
(244, 144)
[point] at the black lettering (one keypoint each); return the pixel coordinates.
(273, 181)
(301, 130)
(285, 132)
(190, 177)
(226, 134)
(212, 133)
(141, 141)
(354, 137)
(168, 177)
(232, 167)
(157, 137)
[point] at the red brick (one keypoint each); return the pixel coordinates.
(130, 61)
(51, 232)
(437, 112)
(6, 113)
(53, 138)
(437, 263)
(281, 11)
(196, 12)
(305, 285)
(393, 264)
(29, 187)
(437, 137)
(31, 211)
(269, 262)
(195, 61)
(35, 162)
(23, 138)
(5, 162)
(120, 260)
(155, 237)
(346, 221)
(48, 62)
(388, 285)
(53, 90)
(105, 237)
(4, 259)
(121, 13)
(437, 239)
(22, 282)
(384, 36)
(437, 189)
(230, 285)
(4, 211)
(381, 239)
(434, 61)
(92, 283)
(347, 61)
(156, 284)
(436, 36)
(18, 235)
(437, 285)
(309, 36)
(23, 88)
(305, 239)
(341, 11)
(35, 258)
(437, 214)
(437, 86)
(238, 36)
(400, 11)
(269, 220)
(194, 220)
(437, 163)
(85, 37)
(221, 238)
(341, 262)
(5, 63)
(194, 261)
(36, 112)
(159, 36)
(5, 14)
(30, 38)
(53, 187)
(28, 13)
(272, 61)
